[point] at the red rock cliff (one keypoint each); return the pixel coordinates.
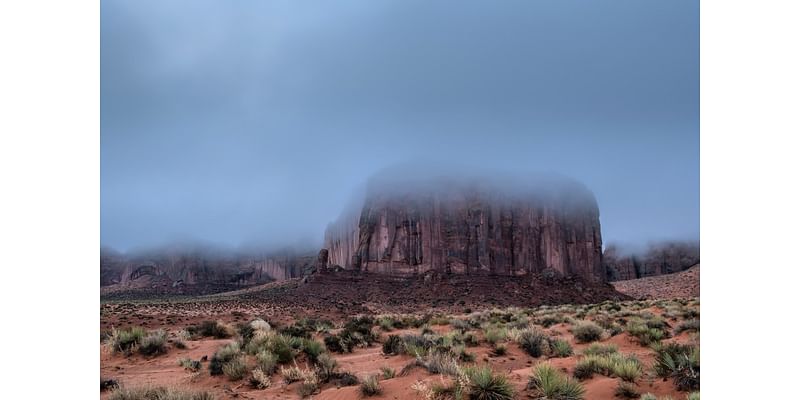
(466, 227)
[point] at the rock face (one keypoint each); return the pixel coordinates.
(658, 259)
(469, 226)
(176, 268)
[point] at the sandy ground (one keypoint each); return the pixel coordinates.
(138, 370)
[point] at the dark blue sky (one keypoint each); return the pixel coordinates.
(252, 122)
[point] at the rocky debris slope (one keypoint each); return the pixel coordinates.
(680, 284)
(658, 259)
(463, 226)
(351, 292)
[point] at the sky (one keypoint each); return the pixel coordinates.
(254, 122)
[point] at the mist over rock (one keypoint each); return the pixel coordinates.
(200, 269)
(414, 221)
(658, 258)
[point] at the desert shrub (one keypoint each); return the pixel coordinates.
(549, 320)
(189, 364)
(587, 331)
(388, 373)
(598, 349)
(346, 379)
(259, 379)
(648, 396)
(611, 364)
(154, 343)
(626, 390)
(471, 339)
(108, 384)
(645, 334)
(464, 355)
(586, 367)
(460, 325)
(692, 325)
(393, 345)
(499, 349)
(216, 329)
(551, 384)
(224, 355)
(627, 370)
(267, 362)
(235, 369)
(157, 393)
(295, 374)
(693, 396)
(533, 342)
(370, 386)
(681, 363)
(485, 385)
(308, 387)
(312, 348)
(326, 366)
(560, 348)
(386, 323)
(125, 340)
(495, 334)
(438, 363)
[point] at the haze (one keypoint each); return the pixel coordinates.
(254, 122)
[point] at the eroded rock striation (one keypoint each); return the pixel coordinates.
(518, 226)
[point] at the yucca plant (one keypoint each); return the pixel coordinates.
(550, 384)
(485, 385)
(626, 390)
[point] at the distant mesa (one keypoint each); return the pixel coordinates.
(412, 224)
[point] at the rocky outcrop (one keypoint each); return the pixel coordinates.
(176, 268)
(471, 226)
(659, 259)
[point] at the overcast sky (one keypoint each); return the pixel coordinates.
(252, 122)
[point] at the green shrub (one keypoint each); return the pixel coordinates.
(627, 370)
(560, 348)
(313, 349)
(225, 354)
(267, 362)
(485, 385)
(533, 342)
(260, 379)
(154, 343)
(370, 386)
(235, 369)
(388, 373)
(600, 349)
(551, 384)
(157, 393)
(307, 388)
(326, 367)
(681, 362)
(125, 340)
(692, 325)
(586, 332)
(393, 345)
(693, 396)
(496, 334)
(626, 390)
(216, 329)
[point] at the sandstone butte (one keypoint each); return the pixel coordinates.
(469, 226)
